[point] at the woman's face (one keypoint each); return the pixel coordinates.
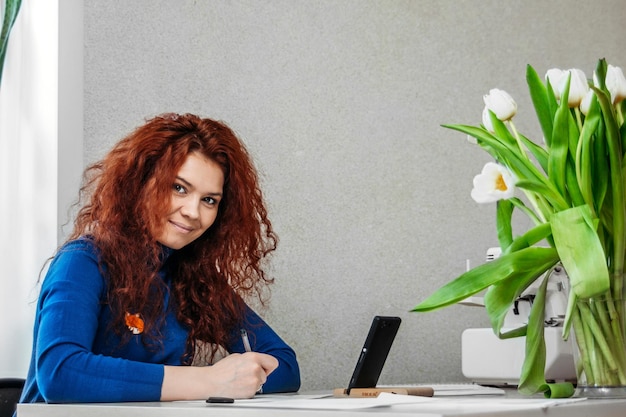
(196, 194)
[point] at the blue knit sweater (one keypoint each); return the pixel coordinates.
(77, 358)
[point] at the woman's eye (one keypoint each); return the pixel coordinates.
(210, 200)
(179, 189)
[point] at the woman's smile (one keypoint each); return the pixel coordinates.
(182, 228)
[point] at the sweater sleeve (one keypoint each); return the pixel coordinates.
(66, 369)
(263, 339)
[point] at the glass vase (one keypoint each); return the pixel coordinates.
(600, 354)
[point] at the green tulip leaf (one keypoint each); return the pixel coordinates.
(540, 154)
(533, 369)
(559, 147)
(504, 213)
(534, 186)
(539, 97)
(500, 297)
(490, 273)
(599, 169)
(584, 172)
(580, 250)
(531, 237)
(532, 377)
(573, 188)
(501, 131)
(557, 390)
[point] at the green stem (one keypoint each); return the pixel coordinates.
(606, 366)
(578, 118)
(533, 215)
(539, 204)
(615, 310)
(602, 315)
(534, 199)
(619, 115)
(520, 145)
(583, 350)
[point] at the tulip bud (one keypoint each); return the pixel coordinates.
(578, 87)
(501, 103)
(554, 76)
(596, 81)
(585, 104)
(615, 83)
(487, 120)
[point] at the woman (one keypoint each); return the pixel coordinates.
(171, 240)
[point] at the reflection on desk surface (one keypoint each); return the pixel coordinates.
(454, 389)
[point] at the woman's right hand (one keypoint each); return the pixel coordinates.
(239, 375)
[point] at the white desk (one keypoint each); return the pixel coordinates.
(449, 407)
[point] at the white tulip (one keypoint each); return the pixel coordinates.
(615, 83)
(487, 120)
(596, 82)
(494, 183)
(554, 76)
(578, 87)
(585, 104)
(501, 103)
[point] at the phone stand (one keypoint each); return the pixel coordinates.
(373, 392)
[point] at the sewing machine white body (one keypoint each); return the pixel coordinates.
(486, 359)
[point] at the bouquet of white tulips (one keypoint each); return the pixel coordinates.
(573, 188)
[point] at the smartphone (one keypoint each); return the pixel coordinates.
(374, 353)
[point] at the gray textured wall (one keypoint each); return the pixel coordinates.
(340, 103)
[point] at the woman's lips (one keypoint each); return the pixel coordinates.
(181, 227)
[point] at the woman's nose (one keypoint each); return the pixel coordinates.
(190, 208)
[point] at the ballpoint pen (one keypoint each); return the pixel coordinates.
(246, 341)
(248, 348)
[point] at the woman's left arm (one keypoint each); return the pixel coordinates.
(263, 339)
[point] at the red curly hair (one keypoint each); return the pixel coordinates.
(127, 197)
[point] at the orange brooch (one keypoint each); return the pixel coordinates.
(134, 323)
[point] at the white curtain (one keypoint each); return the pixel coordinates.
(28, 175)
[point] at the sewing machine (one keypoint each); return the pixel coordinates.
(486, 359)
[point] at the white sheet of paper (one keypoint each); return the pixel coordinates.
(325, 402)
